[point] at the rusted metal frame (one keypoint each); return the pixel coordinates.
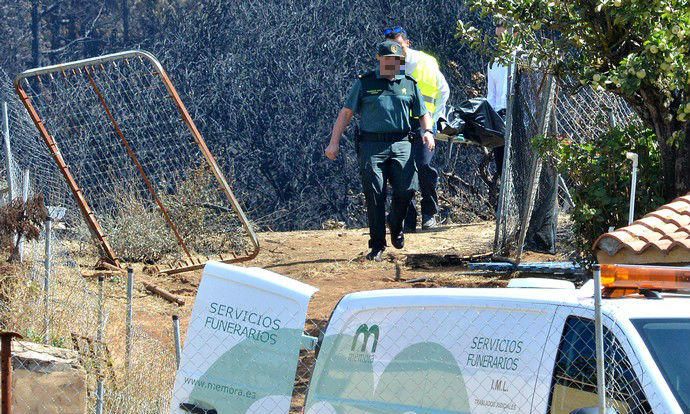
(81, 201)
(84, 206)
(6, 368)
(135, 160)
(209, 158)
(63, 67)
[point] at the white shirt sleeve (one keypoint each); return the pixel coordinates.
(444, 95)
(504, 88)
(497, 86)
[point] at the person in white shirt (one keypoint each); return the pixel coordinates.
(424, 68)
(497, 95)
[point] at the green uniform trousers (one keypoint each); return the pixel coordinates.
(380, 162)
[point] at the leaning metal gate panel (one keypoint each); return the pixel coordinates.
(135, 162)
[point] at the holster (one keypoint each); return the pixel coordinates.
(358, 138)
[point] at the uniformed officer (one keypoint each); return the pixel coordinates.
(386, 101)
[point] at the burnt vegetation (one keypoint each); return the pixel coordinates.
(264, 82)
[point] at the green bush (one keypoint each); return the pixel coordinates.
(601, 176)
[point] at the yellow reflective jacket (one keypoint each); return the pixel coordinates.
(425, 71)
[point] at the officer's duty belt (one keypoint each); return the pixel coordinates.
(384, 136)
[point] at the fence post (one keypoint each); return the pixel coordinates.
(128, 345)
(6, 368)
(8, 157)
(99, 383)
(176, 334)
(25, 199)
(611, 115)
(633, 185)
(508, 137)
(46, 280)
(599, 338)
(8, 149)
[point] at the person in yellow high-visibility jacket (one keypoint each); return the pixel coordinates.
(435, 91)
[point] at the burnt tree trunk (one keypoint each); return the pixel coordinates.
(675, 156)
(35, 34)
(683, 163)
(125, 22)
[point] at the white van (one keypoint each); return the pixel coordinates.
(510, 350)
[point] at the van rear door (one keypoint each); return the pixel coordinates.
(429, 351)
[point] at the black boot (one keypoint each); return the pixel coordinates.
(397, 235)
(398, 240)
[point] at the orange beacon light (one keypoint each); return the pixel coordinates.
(631, 277)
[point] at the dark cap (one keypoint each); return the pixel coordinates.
(390, 48)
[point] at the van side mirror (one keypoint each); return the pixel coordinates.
(593, 410)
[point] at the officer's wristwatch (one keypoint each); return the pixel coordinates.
(431, 131)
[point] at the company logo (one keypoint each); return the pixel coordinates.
(364, 343)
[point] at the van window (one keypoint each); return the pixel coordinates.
(575, 374)
(666, 339)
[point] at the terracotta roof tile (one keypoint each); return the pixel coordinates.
(685, 198)
(680, 207)
(642, 232)
(662, 231)
(670, 216)
(677, 236)
(658, 225)
(662, 245)
(683, 244)
(652, 223)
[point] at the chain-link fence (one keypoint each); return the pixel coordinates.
(77, 359)
(135, 161)
(420, 350)
(531, 189)
(530, 108)
(424, 352)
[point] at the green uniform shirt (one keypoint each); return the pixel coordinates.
(385, 105)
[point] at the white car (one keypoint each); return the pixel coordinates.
(529, 348)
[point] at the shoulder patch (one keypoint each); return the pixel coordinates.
(409, 77)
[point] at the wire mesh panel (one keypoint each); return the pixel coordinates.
(145, 387)
(585, 113)
(27, 152)
(142, 175)
(528, 201)
(530, 102)
(60, 316)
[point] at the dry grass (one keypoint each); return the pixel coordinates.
(199, 209)
(73, 312)
(136, 230)
(139, 233)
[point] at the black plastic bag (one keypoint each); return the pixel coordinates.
(476, 120)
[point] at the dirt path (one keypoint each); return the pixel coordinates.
(331, 260)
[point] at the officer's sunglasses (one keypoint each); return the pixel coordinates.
(394, 31)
